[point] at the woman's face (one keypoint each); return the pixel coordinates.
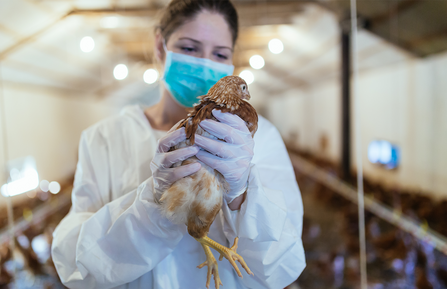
(206, 36)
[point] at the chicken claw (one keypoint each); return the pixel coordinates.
(231, 255)
(212, 267)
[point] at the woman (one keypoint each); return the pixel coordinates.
(114, 235)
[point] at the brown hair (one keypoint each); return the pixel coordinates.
(180, 11)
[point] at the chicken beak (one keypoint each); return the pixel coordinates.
(246, 96)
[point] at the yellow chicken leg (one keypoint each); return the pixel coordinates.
(212, 267)
(229, 253)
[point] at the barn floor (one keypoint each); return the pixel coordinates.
(330, 236)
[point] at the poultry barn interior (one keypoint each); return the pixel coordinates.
(363, 115)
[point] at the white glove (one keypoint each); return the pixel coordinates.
(161, 166)
(231, 157)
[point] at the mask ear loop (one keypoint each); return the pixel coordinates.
(164, 46)
(166, 57)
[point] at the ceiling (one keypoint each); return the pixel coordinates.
(419, 26)
(39, 42)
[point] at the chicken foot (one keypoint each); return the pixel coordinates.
(229, 253)
(212, 267)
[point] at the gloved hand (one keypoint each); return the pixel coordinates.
(161, 166)
(231, 157)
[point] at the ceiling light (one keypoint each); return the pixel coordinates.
(150, 76)
(248, 76)
(276, 46)
(87, 44)
(29, 180)
(257, 62)
(120, 71)
(54, 187)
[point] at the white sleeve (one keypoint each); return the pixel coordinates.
(269, 223)
(102, 244)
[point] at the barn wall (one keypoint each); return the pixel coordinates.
(47, 124)
(404, 103)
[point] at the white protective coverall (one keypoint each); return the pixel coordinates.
(115, 237)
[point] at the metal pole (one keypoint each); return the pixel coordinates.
(358, 147)
(346, 102)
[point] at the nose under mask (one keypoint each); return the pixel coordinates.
(188, 77)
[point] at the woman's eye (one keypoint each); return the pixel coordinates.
(222, 56)
(188, 49)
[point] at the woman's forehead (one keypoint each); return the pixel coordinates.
(208, 28)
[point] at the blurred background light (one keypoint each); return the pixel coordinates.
(276, 46)
(109, 22)
(23, 241)
(150, 76)
(29, 180)
(28, 214)
(257, 62)
(41, 247)
(44, 185)
(54, 187)
(374, 152)
(384, 153)
(87, 44)
(120, 71)
(248, 76)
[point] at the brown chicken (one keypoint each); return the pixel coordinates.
(196, 200)
(5, 255)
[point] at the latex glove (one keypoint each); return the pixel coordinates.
(161, 166)
(231, 157)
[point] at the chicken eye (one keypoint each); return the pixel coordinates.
(243, 87)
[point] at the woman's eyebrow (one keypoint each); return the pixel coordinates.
(193, 40)
(224, 47)
(198, 42)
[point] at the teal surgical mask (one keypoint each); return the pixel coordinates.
(187, 77)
